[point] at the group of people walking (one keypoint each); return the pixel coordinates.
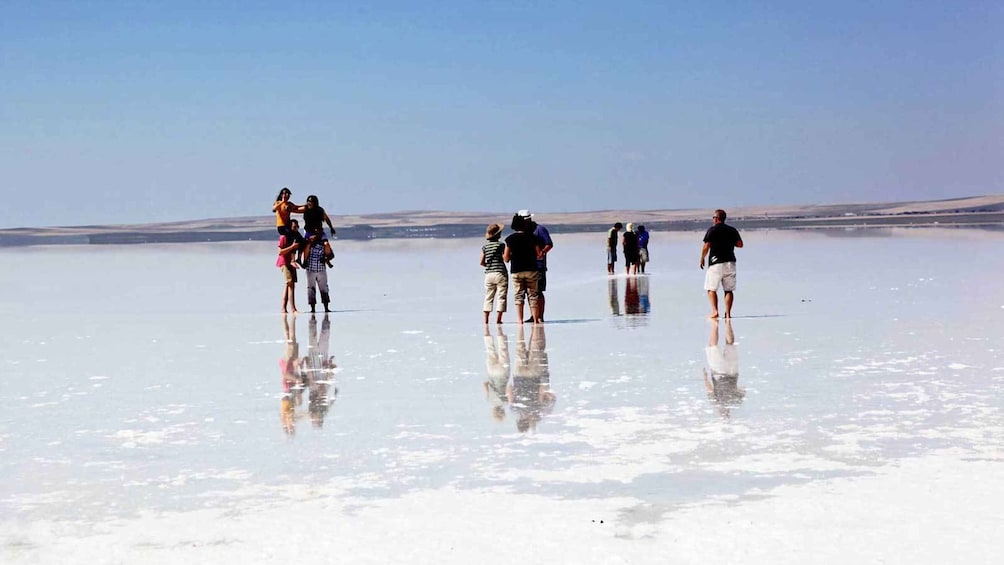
(635, 245)
(521, 256)
(720, 243)
(310, 251)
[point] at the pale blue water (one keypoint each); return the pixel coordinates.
(148, 377)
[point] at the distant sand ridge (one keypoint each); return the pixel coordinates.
(978, 211)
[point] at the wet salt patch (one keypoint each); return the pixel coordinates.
(99, 378)
(959, 366)
(886, 516)
(418, 435)
(412, 332)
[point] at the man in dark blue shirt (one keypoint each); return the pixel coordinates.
(720, 242)
(544, 241)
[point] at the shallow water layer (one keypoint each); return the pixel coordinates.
(146, 381)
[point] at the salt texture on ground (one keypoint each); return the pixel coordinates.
(160, 411)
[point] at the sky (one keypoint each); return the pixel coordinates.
(136, 112)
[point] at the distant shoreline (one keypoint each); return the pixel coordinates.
(979, 212)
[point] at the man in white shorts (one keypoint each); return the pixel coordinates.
(720, 242)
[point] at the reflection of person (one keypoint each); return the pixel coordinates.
(497, 364)
(642, 248)
(630, 242)
(612, 247)
(646, 305)
(318, 250)
(292, 378)
(615, 301)
(529, 391)
(318, 368)
(632, 303)
(496, 275)
(521, 252)
(720, 242)
(722, 384)
(546, 244)
(287, 248)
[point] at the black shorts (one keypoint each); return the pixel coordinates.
(541, 281)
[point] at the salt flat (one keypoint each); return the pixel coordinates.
(147, 418)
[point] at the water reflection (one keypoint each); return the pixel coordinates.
(612, 292)
(721, 377)
(292, 378)
(497, 365)
(636, 300)
(319, 369)
(529, 390)
(312, 373)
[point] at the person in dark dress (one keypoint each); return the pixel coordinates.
(630, 242)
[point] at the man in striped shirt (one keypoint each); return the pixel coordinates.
(496, 274)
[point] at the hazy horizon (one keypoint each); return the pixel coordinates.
(142, 113)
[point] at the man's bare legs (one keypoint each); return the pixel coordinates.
(713, 299)
(728, 303)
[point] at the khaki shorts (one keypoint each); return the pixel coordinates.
(723, 274)
(496, 292)
(524, 288)
(288, 273)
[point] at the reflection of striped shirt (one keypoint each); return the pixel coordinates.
(315, 261)
(493, 257)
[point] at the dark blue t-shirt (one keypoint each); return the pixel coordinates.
(543, 239)
(522, 252)
(723, 239)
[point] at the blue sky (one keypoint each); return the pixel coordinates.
(114, 112)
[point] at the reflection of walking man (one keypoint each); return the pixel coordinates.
(720, 242)
(723, 383)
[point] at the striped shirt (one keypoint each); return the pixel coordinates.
(493, 257)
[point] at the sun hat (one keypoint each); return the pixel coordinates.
(524, 213)
(493, 231)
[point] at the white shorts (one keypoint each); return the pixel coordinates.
(723, 274)
(723, 360)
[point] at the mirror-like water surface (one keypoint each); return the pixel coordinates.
(157, 402)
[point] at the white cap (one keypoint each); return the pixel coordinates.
(524, 213)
